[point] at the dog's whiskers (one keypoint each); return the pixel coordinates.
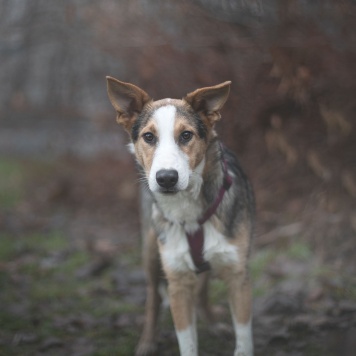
(143, 180)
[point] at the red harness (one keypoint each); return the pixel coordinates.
(196, 239)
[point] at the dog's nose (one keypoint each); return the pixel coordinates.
(167, 178)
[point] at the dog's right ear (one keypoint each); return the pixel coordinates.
(127, 99)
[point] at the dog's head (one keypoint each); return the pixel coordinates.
(169, 137)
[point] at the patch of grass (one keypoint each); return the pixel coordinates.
(43, 244)
(339, 286)
(132, 257)
(113, 306)
(53, 241)
(11, 323)
(52, 291)
(299, 250)
(41, 288)
(218, 291)
(262, 259)
(12, 178)
(112, 342)
(74, 261)
(7, 247)
(259, 262)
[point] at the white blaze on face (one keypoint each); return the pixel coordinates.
(168, 155)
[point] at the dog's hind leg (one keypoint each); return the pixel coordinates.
(202, 298)
(152, 266)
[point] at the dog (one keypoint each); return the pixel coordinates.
(197, 210)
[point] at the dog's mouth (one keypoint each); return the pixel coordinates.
(168, 191)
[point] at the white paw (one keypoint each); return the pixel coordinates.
(243, 351)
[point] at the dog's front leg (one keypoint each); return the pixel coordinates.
(181, 293)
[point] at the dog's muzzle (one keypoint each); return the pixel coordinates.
(167, 179)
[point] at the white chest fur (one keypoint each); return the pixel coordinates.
(180, 208)
(217, 250)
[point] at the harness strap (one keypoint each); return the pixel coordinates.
(196, 239)
(196, 245)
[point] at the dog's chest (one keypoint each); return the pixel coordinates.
(181, 209)
(175, 251)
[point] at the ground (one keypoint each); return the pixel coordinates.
(72, 283)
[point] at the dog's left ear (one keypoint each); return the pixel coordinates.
(209, 101)
(127, 99)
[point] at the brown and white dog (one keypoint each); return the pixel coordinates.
(197, 209)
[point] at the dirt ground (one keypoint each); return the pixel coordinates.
(71, 277)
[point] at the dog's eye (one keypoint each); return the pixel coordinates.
(149, 137)
(185, 136)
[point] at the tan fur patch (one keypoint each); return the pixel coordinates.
(144, 154)
(145, 151)
(196, 147)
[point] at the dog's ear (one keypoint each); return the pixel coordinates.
(209, 101)
(127, 99)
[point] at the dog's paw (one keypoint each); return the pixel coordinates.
(145, 348)
(244, 350)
